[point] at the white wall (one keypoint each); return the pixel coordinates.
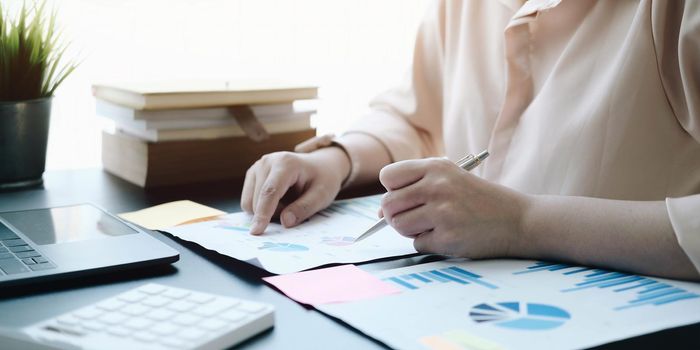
(352, 48)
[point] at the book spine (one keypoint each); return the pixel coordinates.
(194, 161)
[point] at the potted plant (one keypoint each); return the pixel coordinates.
(30, 72)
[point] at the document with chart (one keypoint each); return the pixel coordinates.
(326, 238)
(517, 304)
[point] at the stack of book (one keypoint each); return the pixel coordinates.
(188, 132)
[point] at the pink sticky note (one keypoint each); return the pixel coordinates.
(331, 285)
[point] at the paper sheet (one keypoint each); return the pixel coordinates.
(515, 304)
(327, 238)
(170, 214)
(332, 285)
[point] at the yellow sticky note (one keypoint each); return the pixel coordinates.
(170, 214)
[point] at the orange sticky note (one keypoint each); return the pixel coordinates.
(331, 285)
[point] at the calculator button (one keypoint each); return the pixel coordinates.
(186, 319)
(165, 329)
(3, 249)
(156, 301)
(7, 256)
(138, 323)
(119, 331)
(111, 305)
(212, 325)
(191, 334)
(233, 315)
(28, 261)
(93, 326)
(213, 308)
(113, 318)
(171, 342)
(135, 309)
(200, 298)
(181, 306)
(152, 289)
(251, 308)
(41, 259)
(88, 313)
(145, 337)
(160, 314)
(176, 293)
(68, 320)
(132, 297)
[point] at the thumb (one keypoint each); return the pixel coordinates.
(308, 204)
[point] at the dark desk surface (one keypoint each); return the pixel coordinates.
(295, 326)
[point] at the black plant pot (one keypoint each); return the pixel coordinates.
(24, 132)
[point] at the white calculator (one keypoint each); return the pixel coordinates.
(156, 317)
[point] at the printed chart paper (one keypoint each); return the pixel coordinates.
(517, 304)
(326, 238)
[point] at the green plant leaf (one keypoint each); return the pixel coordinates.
(31, 64)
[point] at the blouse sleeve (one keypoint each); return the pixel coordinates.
(408, 118)
(684, 213)
(676, 31)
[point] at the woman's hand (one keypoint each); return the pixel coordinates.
(449, 211)
(306, 182)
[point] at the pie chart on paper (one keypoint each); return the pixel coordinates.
(520, 315)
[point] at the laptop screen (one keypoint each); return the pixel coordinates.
(66, 224)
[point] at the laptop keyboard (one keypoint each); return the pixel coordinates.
(16, 256)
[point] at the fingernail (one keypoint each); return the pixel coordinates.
(289, 219)
(257, 227)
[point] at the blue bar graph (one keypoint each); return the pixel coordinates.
(364, 208)
(646, 290)
(451, 274)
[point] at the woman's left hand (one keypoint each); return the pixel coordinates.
(449, 211)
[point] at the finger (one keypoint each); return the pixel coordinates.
(309, 203)
(412, 222)
(426, 242)
(404, 173)
(380, 213)
(248, 190)
(406, 198)
(261, 173)
(275, 186)
(400, 174)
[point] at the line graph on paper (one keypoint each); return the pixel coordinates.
(643, 291)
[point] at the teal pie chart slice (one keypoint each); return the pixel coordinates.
(520, 315)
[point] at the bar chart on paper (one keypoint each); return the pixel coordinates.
(643, 291)
(416, 277)
(364, 208)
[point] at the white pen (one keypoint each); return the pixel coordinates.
(467, 163)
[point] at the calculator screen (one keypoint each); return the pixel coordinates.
(66, 224)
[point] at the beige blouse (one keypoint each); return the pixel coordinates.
(581, 98)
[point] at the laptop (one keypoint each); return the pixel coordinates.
(39, 245)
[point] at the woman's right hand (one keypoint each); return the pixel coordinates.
(293, 185)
